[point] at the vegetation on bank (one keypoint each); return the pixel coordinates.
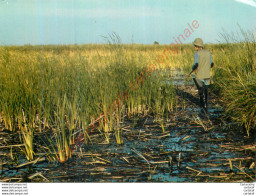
(235, 76)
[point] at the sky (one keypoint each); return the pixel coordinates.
(44, 22)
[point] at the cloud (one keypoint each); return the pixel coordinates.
(107, 12)
(123, 12)
(248, 2)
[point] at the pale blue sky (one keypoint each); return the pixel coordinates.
(138, 21)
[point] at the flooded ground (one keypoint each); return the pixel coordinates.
(189, 147)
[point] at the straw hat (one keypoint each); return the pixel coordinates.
(198, 42)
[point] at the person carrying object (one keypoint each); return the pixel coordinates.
(202, 68)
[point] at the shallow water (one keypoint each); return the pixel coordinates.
(146, 157)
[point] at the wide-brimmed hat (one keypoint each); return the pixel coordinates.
(198, 42)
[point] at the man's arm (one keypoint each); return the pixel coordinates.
(195, 65)
(196, 61)
(212, 64)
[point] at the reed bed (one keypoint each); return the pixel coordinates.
(62, 89)
(235, 76)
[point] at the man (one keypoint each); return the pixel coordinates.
(202, 67)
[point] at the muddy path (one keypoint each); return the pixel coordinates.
(188, 147)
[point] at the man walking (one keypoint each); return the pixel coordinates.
(202, 67)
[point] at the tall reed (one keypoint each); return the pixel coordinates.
(65, 88)
(235, 77)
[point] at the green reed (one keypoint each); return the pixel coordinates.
(235, 77)
(78, 84)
